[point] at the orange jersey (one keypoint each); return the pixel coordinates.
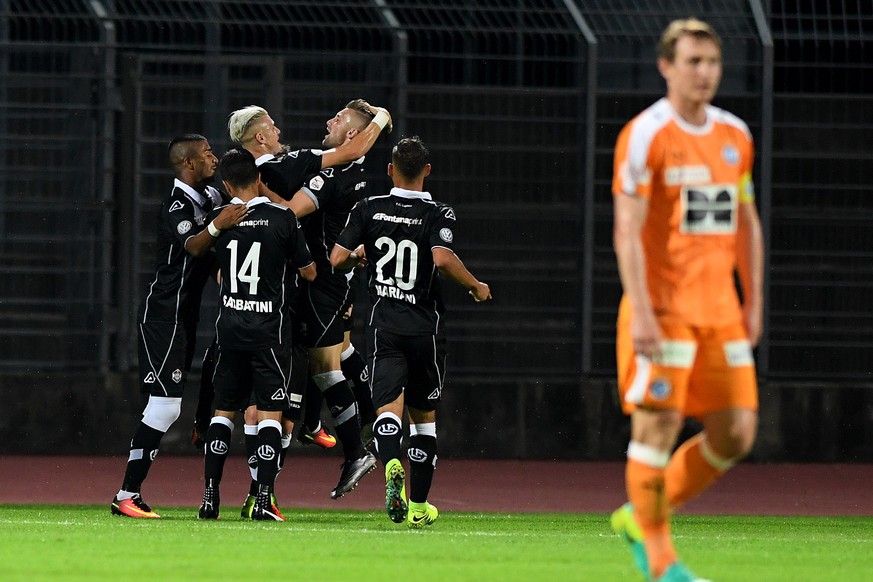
(695, 178)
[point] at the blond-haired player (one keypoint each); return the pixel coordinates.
(685, 222)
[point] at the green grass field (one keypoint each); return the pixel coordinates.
(87, 543)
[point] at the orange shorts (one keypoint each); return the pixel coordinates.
(700, 369)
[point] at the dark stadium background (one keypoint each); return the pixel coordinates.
(520, 102)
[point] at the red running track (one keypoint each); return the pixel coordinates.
(459, 485)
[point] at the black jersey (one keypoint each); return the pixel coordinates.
(399, 232)
(259, 259)
(285, 173)
(335, 191)
(175, 292)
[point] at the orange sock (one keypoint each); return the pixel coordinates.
(645, 489)
(689, 473)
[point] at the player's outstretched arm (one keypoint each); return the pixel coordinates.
(451, 266)
(343, 258)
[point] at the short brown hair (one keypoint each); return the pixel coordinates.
(361, 113)
(679, 28)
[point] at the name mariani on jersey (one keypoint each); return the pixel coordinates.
(397, 219)
(394, 293)
(247, 305)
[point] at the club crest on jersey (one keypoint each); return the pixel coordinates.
(184, 226)
(316, 183)
(730, 154)
(660, 389)
(176, 205)
(446, 234)
(177, 375)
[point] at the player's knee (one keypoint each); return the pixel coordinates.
(161, 412)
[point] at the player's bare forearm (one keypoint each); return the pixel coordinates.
(199, 244)
(308, 272)
(750, 267)
(453, 269)
(630, 215)
(342, 258)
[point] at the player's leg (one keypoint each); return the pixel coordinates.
(251, 446)
(270, 382)
(723, 394)
(388, 379)
(165, 355)
(355, 369)
(203, 413)
(427, 364)
(654, 395)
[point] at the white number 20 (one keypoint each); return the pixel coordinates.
(401, 250)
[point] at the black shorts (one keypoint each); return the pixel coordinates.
(166, 350)
(412, 365)
(264, 375)
(322, 307)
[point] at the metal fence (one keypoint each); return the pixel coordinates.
(520, 102)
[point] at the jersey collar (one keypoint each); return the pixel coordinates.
(253, 202)
(264, 158)
(404, 193)
(193, 194)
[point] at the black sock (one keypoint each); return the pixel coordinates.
(217, 446)
(269, 446)
(143, 449)
(388, 432)
(422, 462)
(343, 408)
(312, 406)
(355, 370)
(251, 442)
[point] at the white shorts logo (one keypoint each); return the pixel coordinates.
(446, 234)
(184, 226)
(177, 375)
(278, 395)
(738, 354)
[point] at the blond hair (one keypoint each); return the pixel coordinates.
(684, 27)
(242, 120)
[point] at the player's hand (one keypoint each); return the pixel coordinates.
(361, 253)
(230, 216)
(348, 312)
(646, 334)
(481, 292)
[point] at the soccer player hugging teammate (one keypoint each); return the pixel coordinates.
(685, 220)
(406, 240)
(168, 317)
(259, 261)
(321, 183)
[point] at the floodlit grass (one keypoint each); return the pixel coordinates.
(87, 543)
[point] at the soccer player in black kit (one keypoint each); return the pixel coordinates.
(168, 317)
(325, 199)
(259, 262)
(407, 240)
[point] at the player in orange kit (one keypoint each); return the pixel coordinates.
(685, 221)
